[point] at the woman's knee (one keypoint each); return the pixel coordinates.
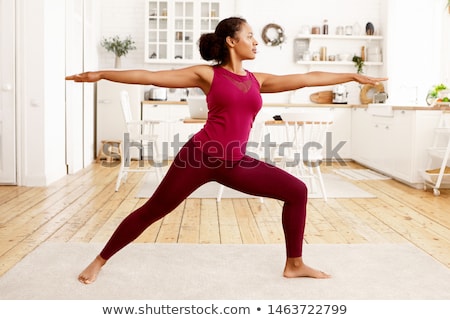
(298, 191)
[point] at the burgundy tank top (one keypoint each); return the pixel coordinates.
(233, 102)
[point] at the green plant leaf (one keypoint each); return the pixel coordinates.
(118, 46)
(359, 63)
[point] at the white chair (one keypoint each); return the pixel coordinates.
(304, 151)
(138, 134)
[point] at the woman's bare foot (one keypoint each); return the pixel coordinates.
(295, 268)
(89, 275)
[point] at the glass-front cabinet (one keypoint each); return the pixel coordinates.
(172, 28)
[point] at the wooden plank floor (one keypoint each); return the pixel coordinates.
(85, 208)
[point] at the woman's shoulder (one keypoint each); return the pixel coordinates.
(203, 70)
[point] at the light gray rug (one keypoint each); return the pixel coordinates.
(361, 174)
(335, 186)
(216, 272)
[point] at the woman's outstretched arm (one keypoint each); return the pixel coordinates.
(277, 83)
(196, 76)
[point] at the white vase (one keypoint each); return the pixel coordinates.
(118, 63)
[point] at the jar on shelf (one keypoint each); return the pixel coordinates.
(316, 56)
(306, 56)
(325, 26)
(323, 54)
(348, 30)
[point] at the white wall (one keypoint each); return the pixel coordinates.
(445, 42)
(413, 30)
(123, 18)
(54, 95)
(415, 47)
(41, 95)
(40, 91)
(290, 14)
(41, 68)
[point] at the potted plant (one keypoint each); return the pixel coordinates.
(118, 46)
(438, 93)
(359, 63)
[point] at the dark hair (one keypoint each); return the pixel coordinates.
(213, 45)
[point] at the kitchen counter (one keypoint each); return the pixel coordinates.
(171, 102)
(271, 104)
(439, 107)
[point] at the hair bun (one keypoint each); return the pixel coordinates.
(209, 46)
(213, 46)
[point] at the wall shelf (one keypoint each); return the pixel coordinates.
(335, 45)
(337, 37)
(338, 63)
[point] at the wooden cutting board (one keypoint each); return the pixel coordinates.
(324, 97)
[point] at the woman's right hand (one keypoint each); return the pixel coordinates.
(85, 77)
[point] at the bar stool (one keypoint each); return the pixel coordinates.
(306, 134)
(110, 150)
(138, 134)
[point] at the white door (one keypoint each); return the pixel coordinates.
(74, 91)
(7, 94)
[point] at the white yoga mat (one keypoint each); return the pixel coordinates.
(361, 174)
(207, 271)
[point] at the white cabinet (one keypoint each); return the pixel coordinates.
(180, 130)
(362, 136)
(172, 28)
(110, 123)
(394, 145)
(341, 133)
(158, 112)
(171, 127)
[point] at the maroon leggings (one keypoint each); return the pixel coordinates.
(192, 168)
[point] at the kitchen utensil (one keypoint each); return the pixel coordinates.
(159, 94)
(380, 97)
(368, 89)
(340, 94)
(322, 97)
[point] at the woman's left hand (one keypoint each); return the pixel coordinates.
(368, 80)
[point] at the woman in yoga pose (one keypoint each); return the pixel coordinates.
(217, 151)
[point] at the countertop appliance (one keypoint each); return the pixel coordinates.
(340, 94)
(380, 97)
(159, 94)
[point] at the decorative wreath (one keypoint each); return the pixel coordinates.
(273, 35)
(370, 88)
